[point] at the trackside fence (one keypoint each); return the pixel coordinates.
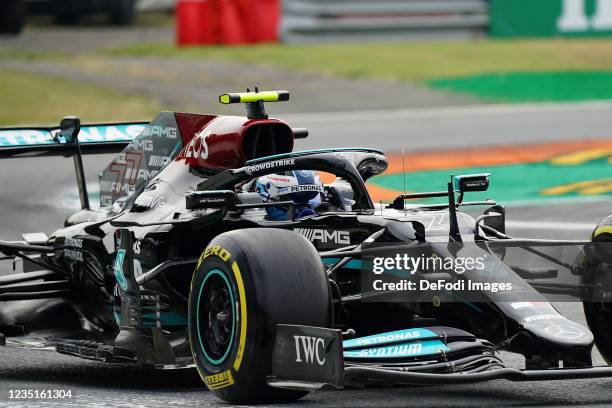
(338, 20)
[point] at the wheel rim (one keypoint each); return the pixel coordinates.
(216, 317)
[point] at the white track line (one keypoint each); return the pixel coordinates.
(552, 225)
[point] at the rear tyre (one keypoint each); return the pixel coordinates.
(12, 16)
(247, 282)
(599, 314)
(122, 12)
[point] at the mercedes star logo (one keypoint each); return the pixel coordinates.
(564, 331)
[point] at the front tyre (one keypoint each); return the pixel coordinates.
(247, 282)
(599, 314)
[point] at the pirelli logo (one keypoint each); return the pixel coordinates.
(222, 253)
(219, 380)
(325, 236)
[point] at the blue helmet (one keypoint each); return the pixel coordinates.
(303, 187)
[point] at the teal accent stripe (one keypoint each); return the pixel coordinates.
(414, 349)
(231, 292)
(378, 340)
(39, 136)
(118, 318)
(167, 319)
(352, 264)
(314, 151)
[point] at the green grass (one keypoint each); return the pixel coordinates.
(28, 55)
(516, 182)
(525, 70)
(30, 99)
(532, 86)
(494, 70)
(412, 62)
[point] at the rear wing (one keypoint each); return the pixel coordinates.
(92, 138)
(70, 138)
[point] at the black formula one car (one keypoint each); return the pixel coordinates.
(182, 266)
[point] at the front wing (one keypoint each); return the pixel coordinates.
(312, 358)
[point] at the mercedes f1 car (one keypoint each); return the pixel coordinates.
(181, 266)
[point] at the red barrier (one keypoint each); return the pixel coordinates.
(193, 22)
(232, 30)
(261, 19)
(229, 22)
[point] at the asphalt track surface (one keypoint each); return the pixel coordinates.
(431, 128)
(37, 193)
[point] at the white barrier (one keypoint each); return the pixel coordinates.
(337, 20)
(155, 5)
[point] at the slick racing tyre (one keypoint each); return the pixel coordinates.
(246, 282)
(599, 314)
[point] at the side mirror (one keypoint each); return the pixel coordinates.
(471, 182)
(498, 222)
(210, 199)
(70, 127)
